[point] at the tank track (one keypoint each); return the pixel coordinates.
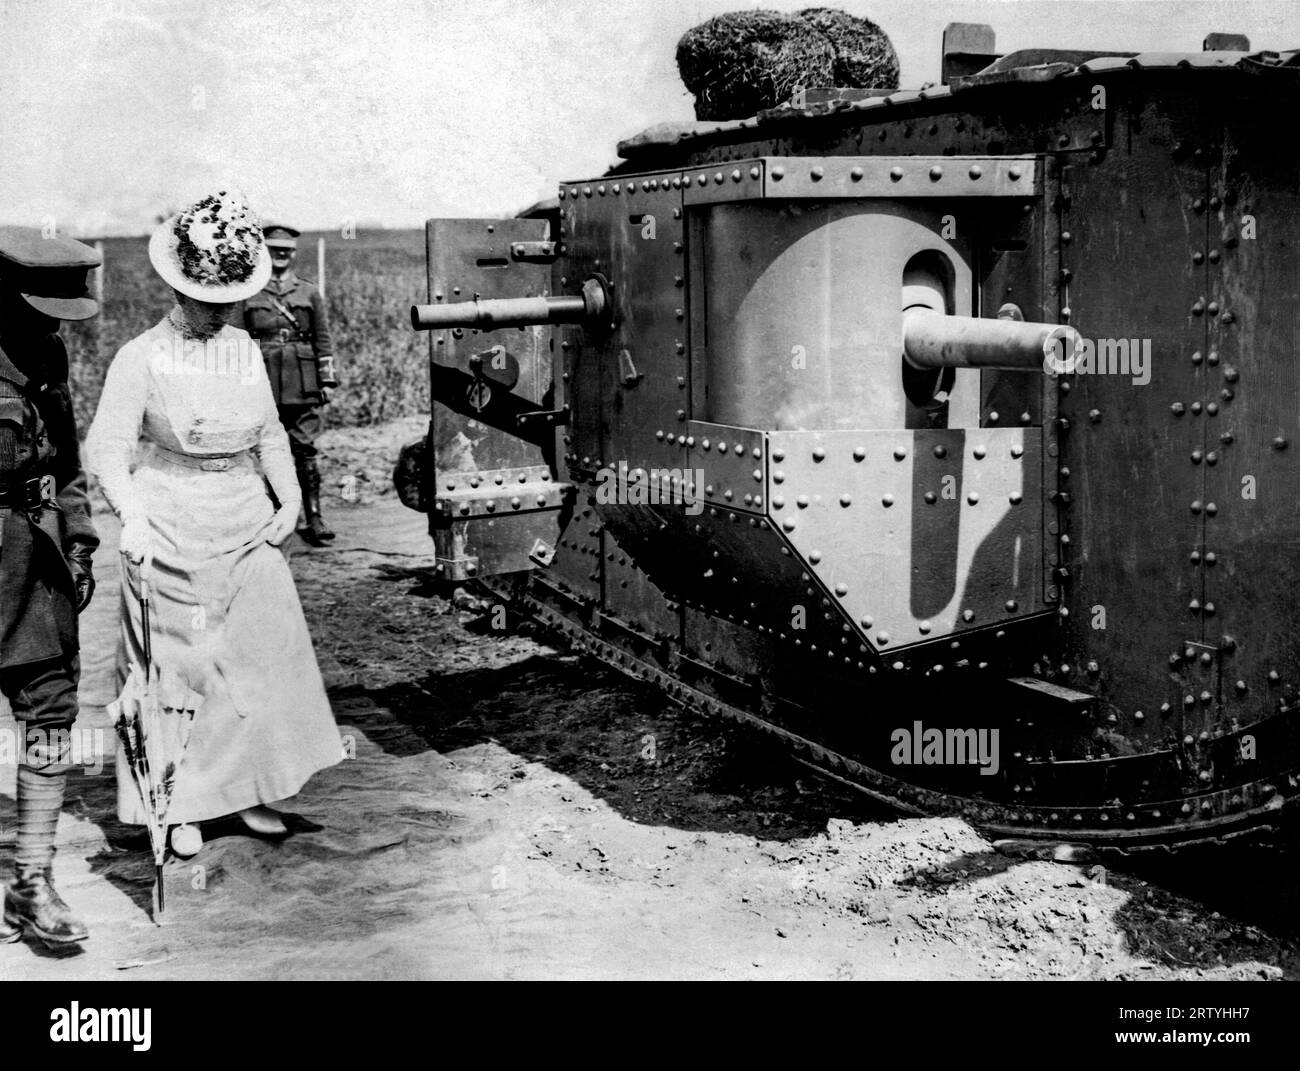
(993, 819)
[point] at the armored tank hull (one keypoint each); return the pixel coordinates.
(947, 435)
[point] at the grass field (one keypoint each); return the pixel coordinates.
(371, 282)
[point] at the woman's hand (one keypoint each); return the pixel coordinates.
(136, 539)
(282, 524)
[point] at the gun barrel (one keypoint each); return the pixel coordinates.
(488, 314)
(933, 340)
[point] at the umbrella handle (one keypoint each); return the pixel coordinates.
(147, 642)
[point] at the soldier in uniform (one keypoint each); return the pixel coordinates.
(46, 543)
(288, 321)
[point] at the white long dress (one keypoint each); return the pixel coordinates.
(226, 621)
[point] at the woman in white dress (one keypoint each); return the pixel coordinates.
(227, 628)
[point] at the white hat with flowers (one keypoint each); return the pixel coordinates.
(213, 251)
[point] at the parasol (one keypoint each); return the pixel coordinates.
(143, 727)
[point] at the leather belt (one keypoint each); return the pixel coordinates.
(284, 335)
(29, 494)
(203, 462)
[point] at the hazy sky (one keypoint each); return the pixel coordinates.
(395, 110)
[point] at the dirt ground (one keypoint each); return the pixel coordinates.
(509, 810)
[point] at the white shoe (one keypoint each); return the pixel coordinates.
(264, 821)
(186, 840)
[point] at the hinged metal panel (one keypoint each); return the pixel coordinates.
(470, 258)
(918, 534)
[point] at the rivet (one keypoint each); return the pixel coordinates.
(856, 174)
(887, 501)
(940, 451)
(817, 173)
(924, 628)
(801, 501)
(819, 454)
(778, 476)
(778, 173)
(788, 524)
(778, 455)
(975, 171)
(973, 498)
(968, 615)
(895, 173)
(845, 500)
(815, 556)
(979, 453)
(1011, 606)
(841, 590)
(931, 498)
(936, 173)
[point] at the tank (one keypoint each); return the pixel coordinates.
(946, 436)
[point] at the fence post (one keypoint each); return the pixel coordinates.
(320, 266)
(98, 285)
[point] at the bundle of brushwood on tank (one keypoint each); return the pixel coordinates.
(741, 63)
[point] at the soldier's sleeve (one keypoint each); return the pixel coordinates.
(322, 343)
(69, 476)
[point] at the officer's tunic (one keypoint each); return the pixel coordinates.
(292, 344)
(38, 612)
(226, 620)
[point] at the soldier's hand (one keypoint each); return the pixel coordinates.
(83, 574)
(327, 394)
(282, 524)
(135, 539)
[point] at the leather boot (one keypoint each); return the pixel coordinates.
(8, 934)
(318, 531)
(32, 904)
(299, 468)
